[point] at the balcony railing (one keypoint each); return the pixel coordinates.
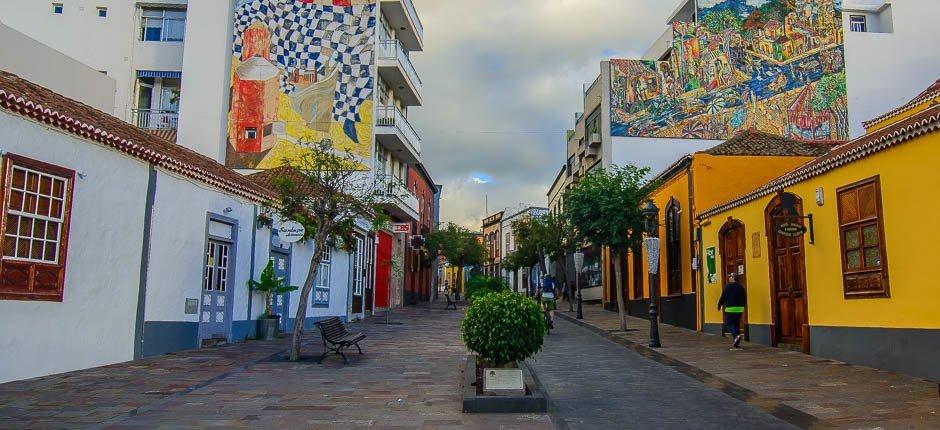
(391, 49)
(390, 116)
(151, 119)
(395, 189)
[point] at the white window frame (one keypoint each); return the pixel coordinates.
(858, 23)
(164, 24)
(100, 10)
(58, 8)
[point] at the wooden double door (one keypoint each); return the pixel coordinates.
(788, 278)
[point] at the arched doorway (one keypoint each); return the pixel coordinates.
(733, 246)
(787, 274)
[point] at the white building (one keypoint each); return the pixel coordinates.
(185, 95)
(518, 281)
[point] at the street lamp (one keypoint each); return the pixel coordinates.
(651, 243)
(578, 266)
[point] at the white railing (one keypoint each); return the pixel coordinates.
(395, 189)
(151, 119)
(410, 7)
(391, 49)
(390, 116)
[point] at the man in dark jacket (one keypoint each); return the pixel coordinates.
(733, 299)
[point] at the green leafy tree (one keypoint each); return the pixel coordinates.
(326, 191)
(520, 259)
(604, 208)
(503, 327)
(270, 285)
(458, 245)
(718, 22)
(831, 96)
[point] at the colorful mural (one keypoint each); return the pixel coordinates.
(301, 74)
(771, 65)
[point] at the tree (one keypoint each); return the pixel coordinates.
(326, 192)
(831, 96)
(549, 234)
(604, 208)
(269, 285)
(718, 22)
(519, 259)
(458, 245)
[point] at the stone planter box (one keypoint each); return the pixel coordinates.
(533, 401)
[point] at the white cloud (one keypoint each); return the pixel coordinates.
(502, 81)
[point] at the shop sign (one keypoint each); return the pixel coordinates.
(401, 228)
(791, 229)
(291, 232)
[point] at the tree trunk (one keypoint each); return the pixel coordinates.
(618, 276)
(567, 286)
(319, 243)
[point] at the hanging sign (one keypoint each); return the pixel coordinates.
(291, 232)
(791, 229)
(651, 244)
(710, 265)
(401, 228)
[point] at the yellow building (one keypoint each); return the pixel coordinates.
(857, 285)
(694, 182)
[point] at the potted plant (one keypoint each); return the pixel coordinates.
(269, 285)
(503, 329)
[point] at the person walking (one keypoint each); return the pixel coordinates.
(733, 299)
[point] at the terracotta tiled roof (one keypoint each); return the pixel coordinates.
(25, 98)
(265, 178)
(903, 131)
(758, 143)
(931, 92)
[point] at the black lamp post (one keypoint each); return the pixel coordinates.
(651, 219)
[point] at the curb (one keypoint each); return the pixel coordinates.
(774, 407)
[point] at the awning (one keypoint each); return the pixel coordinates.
(158, 74)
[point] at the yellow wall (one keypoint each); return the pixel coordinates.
(909, 180)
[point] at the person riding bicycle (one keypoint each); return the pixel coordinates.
(547, 297)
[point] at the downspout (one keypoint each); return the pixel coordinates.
(698, 294)
(144, 263)
(251, 268)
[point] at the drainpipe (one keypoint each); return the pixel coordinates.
(144, 263)
(699, 295)
(251, 267)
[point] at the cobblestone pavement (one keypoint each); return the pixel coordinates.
(594, 383)
(409, 378)
(788, 383)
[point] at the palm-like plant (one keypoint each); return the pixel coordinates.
(270, 285)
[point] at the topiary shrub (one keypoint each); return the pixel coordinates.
(503, 327)
(481, 285)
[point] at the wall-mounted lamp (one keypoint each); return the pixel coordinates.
(228, 210)
(820, 196)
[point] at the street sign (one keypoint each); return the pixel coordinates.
(578, 261)
(651, 244)
(291, 232)
(791, 229)
(401, 228)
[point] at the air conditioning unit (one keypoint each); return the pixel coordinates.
(595, 139)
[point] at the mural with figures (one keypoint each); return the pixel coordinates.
(301, 74)
(772, 65)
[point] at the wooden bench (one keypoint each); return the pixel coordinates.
(336, 338)
(451, 304)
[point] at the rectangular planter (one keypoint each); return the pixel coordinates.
(474, 403)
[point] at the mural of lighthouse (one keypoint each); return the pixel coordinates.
(301, 73)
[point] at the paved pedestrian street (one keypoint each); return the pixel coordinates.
(409, 378)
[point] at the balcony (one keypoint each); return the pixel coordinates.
(396, 69)
(150, 119)
(394, 132)
(402, 16)
(395, 197)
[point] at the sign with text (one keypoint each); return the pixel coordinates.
(291, 232)
(791, 229)
(401, 228)
(712, 274)
(503, 381)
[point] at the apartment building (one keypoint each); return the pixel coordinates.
(492, 238)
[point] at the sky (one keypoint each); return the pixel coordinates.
(502, 82)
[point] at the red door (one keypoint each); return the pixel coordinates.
(383, 272)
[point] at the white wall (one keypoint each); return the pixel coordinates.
(40, 64)
(885, 70)
(207, 65)
(178, 249)
(655, 153)
(339, 281)
(94, 324)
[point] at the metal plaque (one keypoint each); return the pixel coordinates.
(192, 307)
(503, 381)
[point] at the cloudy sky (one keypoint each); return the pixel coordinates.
(502, 82)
